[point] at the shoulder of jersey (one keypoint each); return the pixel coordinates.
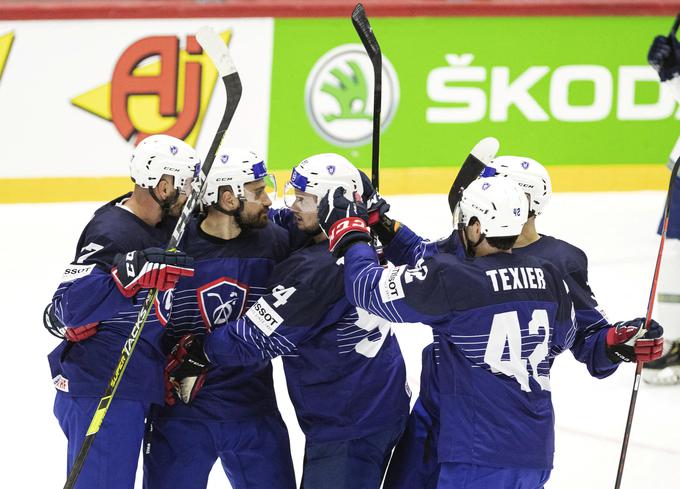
(565, 255)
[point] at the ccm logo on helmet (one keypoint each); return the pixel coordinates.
(264, 317)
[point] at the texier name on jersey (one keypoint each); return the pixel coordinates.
(516, 278)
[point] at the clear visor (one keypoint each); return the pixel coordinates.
(261, 191)
(298, 200)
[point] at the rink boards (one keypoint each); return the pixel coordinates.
(572, 92)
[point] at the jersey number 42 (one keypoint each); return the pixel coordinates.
(506, 330)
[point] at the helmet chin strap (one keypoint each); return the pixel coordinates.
(165, 204)
(469, 245)
(235, 213)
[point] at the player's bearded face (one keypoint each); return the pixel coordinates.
(176, 208)
(256, 206)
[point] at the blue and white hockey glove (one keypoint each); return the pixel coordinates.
(152, 268)
(186, 368)
(664, 57)
(629, 341)
(344, 221)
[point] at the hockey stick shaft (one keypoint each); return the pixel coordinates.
(219, 54)
(648, 318)
(365, 32)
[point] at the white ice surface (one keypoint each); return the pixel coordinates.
(617, 231)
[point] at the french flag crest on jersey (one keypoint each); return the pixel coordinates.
(221, 301)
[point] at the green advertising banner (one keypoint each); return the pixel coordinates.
(567, 91)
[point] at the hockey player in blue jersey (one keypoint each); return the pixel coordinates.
(417, 449)
(344, 369)
(501, 318)
(234, 415)
(664, 57)
(119, 256)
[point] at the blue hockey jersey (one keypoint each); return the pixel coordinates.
(407, 248)
(590, 344)
(229, 277)
(501, 320)
(87, 293)
(344, 369)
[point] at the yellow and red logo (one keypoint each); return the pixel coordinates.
(156, 88)
(5, 46)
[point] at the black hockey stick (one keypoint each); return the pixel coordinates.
(219, 54)
(363, 28)
(648, 317)
(474, 164)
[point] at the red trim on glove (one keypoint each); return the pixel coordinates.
(80, 333)
(344, 226)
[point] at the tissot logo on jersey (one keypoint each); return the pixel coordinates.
(221, 301)
(516, 278)
(264, 317)
(390, 284)
(74, 272)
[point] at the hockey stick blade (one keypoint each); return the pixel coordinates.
(219, 54)
(363, 28)
(648, 317)
(482, 154)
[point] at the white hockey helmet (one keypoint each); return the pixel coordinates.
(160, 155)
(530, 175)
(498, 203)
(320, 174)
(235, 167)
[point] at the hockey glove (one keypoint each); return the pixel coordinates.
(376, 205)
(664, 57)
(629, 341)
(56, 328)
(187, 366)
(150, 268)
(343, 220)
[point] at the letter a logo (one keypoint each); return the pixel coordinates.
(156, 88)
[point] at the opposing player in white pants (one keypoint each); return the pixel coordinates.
(664, 57)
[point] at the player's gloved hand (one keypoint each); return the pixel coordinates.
(187, 366)
(629, 341)
(343, 220)
(281, 216)
(664, 57)
(150, 268)
(384, 227)
(377, 206)
(58, 329)
(81, 332)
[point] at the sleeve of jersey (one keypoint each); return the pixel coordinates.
(274, 326)
(564, 331)
(589, 345)
(397, 294)
(406, 248)
(87, 293)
